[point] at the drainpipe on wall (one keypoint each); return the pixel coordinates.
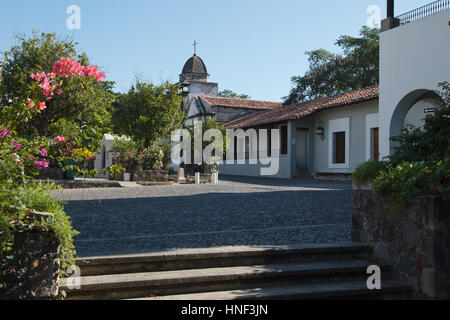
(390, 22)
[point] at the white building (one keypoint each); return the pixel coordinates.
(414, 58)
(334, 135)
(105, 157)
(325, 136)
(200, 97)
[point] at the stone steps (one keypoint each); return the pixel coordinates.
(235, 272)
(219, 257)
(328, 290)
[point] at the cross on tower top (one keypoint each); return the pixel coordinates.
(195, 47)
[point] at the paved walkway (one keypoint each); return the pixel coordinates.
(238, 211)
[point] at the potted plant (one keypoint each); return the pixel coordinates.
(125, 150)
(213, 165)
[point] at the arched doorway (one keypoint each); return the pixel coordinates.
(412, 110)
(103, 157)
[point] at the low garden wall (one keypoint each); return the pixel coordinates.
(150, 175)
(415, 240)
(33, 272)
(51, 173)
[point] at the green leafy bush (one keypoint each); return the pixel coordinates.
(151, 158)
(410, 179)
(368, 172)
(17, 206)
(37, 198)
(124, 145)
(429, 143)
(421, 162)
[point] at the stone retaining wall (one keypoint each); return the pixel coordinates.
(85, 184)
(150, 175)
(33, 272)
(415, 240)
(51, 173)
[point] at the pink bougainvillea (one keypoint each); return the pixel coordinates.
(67, 67)
(64, 67)
(17, 145)
(60, 139)
(5, 132)
(41, 164)
(30, 103)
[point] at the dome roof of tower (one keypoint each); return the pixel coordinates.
(195, 65)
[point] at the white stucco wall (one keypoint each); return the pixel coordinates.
(353, 118)
(336, 120)
(416, 115)
(413, 57)
(254, 170)
(107, 143)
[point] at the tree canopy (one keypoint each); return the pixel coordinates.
(84, 105)
(331, 73)
(148, 112)
(231, 94)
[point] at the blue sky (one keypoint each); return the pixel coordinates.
(249, 46)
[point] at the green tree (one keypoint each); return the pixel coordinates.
(329, 73)
(84, 107)
(231, 94)
(148, 112)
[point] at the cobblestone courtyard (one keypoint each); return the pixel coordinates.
(238, 211)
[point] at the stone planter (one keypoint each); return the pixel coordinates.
(118, 176)
(34, 271)
(415, 240)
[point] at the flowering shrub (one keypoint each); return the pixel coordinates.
(50, 84)
(83, 154)
(22, 159)
(125, 150)
(151, 158)
(20, 196)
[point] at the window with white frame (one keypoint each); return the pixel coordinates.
(339, 143)
(372, 137)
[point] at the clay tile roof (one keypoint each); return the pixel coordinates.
(303, 110)
(241, 103)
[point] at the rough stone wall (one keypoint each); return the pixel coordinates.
(415, 240)
(33, 273)
(150, 175)
(51, 173)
